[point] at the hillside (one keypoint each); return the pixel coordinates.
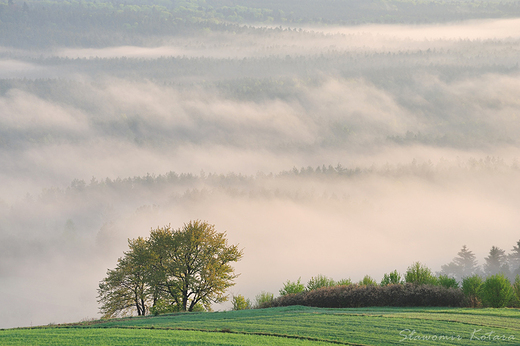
(288, 326)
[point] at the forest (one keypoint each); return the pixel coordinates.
(36, 24)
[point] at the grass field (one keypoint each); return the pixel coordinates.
(289, 326)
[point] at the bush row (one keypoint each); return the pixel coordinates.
(353, 296)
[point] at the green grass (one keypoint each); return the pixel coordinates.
(120, 337)
(294, 325)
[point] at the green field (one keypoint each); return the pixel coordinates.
(288, 326)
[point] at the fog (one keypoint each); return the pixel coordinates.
(342, 176)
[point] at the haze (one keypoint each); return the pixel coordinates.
(334, 150)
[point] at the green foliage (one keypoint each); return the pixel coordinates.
(125, 288)
(374, 295)
(419, 274)
(173, 270)
(343, 282)
(199, 307)
(516, 290)
(496, 291)
(367, 280)
(392, 278)
(319, 281)
(192, 264)
(263, 300)
(290, 287)
(162, 306)
(471, 288)
(446, 281)
(240, 303)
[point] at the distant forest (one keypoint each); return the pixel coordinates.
(103, 23)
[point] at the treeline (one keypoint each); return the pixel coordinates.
(203, 184)
(417, 287)
(298, 62)
(497, 262)
(358, 12)
(43, 24)
(97, 24)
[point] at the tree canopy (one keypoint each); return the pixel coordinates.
(171, 270)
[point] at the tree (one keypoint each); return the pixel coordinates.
(290, 287)
(241, 303)
(420, 275)
(263, 300)
(514, 259)
(496, 262)
(172, 270)
(393, 278)
(448, 282)
(343, 282)
(471, 288)
(516, 289)
(464, 265)
(126, 288)
(319, 281)
(367, 281)
(496, 291)
(192, 264)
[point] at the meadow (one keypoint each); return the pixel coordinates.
(295, 325)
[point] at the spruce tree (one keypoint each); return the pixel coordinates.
(496, 262)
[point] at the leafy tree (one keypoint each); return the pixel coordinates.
(496, 262)
(240, 303)
(319, 281)
(192, 264)
(290, 287)
(419, 274)
(367, 281)
(173, 270)
(263, 299)
(392, 278)
(126, 288)
(496, 291)
(516, 289)
(464, 265)
(343, 282)
(446, 281)
(471, 288)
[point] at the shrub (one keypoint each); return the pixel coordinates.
(392, 278)
(241, 303)
(363, 296)
(263, 300)
(367, 281)
(446, 281)
(319, 282)
(163, 306)
(496, 291)
(343, 282)
(419, 274)
(200, 308)
(292, 287)
(516, 290)
(471, 288)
